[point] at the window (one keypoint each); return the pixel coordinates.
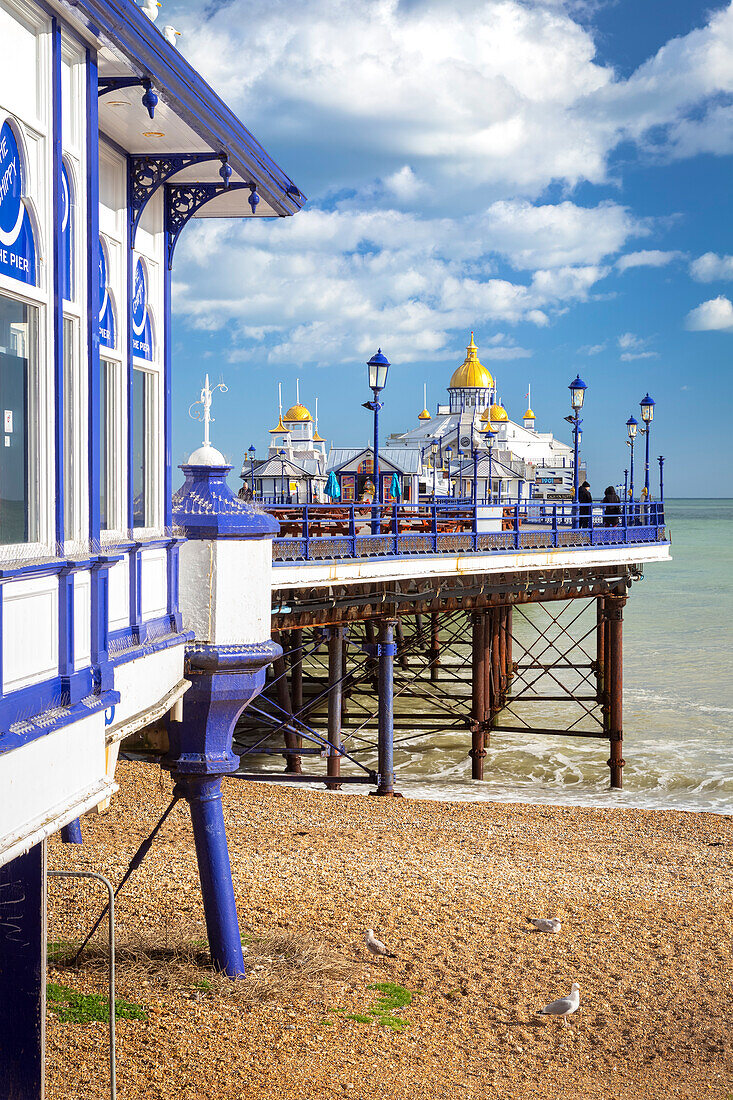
(72, 474)
(110, 487)
(18, 389)
(143, 460)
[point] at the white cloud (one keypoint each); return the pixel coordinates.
(709, 267)
(592, 349)
(634, 347)
(558, 235)
(713, 316)
(650, 257)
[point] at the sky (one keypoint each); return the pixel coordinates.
(552, 174)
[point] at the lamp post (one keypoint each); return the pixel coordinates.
(474, 448)
(378, 367)
(252, 452)
(577, 396)
(434, 457)
(647, 415)
(632, 426)
(281, 452)
(490, 448)
(448, 456)
(626, 484)
(661, 479)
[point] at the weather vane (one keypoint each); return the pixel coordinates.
(204, 413)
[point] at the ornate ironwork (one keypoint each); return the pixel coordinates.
(182, 201)
(145, 174)
(117, 83)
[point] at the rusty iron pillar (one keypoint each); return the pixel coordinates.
(434, 646)
(335, 697)
(478, 691)
(614, 628)
(293, 762)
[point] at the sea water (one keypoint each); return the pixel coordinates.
(678, 699)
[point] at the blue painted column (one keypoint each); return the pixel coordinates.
(225, 588)
(23, 975)
(386, 653)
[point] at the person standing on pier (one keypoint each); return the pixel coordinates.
(612, 507)
(585, 512)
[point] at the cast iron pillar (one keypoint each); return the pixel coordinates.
(600, 661)
(434, 646)
(225, 586)
(293, 763)
(335, 697)
(615, 628)
(385, 656)
(478, 685)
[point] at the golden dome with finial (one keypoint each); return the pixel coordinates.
(529, 415)
(317, 438)
(471, 375)
(298, 412)
(424, 415)
(280, 429)
(498, 413)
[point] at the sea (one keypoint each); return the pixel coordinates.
(678, 699)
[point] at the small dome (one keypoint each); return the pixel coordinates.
(498, 412)
(424, 415)
(297, 412)
(529, 415)
(317, 438)
(207, 456)
(471, 375)
(280, 429)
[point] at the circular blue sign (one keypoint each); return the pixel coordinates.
(17, 248)
(139, 300)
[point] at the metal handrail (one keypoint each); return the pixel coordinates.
(366, 529)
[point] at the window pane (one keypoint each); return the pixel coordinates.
(142, 423)
(71, 473)
(104, 443)
(18, 503)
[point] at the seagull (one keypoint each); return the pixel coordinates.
(375, 946)
(150, 7)
(545, 924)
(170, 34)
(565, 1006)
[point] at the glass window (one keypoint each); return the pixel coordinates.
(71, 400)
(143, 412)
(110, 435)
(18, 405)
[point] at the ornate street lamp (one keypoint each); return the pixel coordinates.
(577, 396)
(632, 427)
(491, 432)
(647, 415)
(281, 452)
(448, 456)
(252, 451)
(378, 367)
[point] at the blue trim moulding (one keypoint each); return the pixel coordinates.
(21, 731)
(58, 309)
(206, 508)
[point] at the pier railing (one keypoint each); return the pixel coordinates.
(322, 532)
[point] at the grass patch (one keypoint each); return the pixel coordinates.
(71, 1007)
(392, 998)
(359, 1018)
(57, 950)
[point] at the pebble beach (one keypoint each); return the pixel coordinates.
(644, 898)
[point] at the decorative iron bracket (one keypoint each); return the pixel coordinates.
(145, 174)
(182, 201)
(117, 83)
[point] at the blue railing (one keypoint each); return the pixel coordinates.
(322, 532)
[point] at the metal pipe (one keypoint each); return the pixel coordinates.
(496, 662)
(292, 760)
(335, 697)
(434, 646)
(502, 655)
(600, 649)
(615, 627)
(386, 652)
(203, 794)
(71, 833)
(488, 680)
(509, 648)
(111, 967)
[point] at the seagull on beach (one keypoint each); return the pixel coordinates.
(545, 924)
(376, 947)
(151, 8)
(170, 34)
(565, 1006)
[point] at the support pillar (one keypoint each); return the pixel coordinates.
(600, 651)
(509, 648)
(502, 656)
(434, 646)
(401, 644)
(293, 763)
(296, 671)
(489, 700)
(335, 696)
(385, 657)
(419, 628)
(370, 635)
(496, 665)
(615, 628)
(23, 975)
(478, 654)
(71, 833)
(203, 794)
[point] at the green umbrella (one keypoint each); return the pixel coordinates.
(333, 489)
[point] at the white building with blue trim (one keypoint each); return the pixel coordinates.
(109, 144)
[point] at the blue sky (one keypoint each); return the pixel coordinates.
(552, 174)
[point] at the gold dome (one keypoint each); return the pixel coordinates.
(424, 415)
(317, 438)
(297, 412)
(280, 429)
(529, 415)
(498, 412)
(471, 374)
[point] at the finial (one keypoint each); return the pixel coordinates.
(205, 402)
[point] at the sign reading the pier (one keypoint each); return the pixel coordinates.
(106, 312)
(17, 247)
(142, 330)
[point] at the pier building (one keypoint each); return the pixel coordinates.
(295, 470)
